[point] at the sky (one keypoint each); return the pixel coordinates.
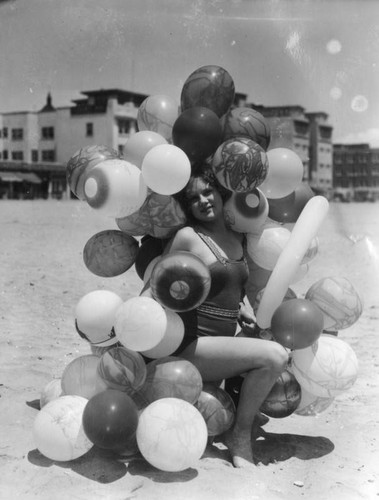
(320, 54)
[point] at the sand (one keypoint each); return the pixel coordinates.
(331, 456)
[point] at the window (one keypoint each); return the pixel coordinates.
(121, 149)
(5, 154)
(125, 126)
(48, 155)
(89, 129)
(17, 155)
(47, 133)
(34, 155)
(5, 132)
(17, 134)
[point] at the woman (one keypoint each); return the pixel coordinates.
(210, 342)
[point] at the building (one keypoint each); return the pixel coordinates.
(355, 172)
(35, 146)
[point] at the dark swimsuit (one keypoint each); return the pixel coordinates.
(218, 315)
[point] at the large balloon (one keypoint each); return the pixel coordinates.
(246, 122)
(197, 131)
(266, 247)
(297, 323)
(291, 257)
(284, 397)
(240, 164)
(209, 86)
(172, 377)
(217, 408)
(180, 281)
(58, 431)
(172, 337)
(139, 144)
(95, 315)
(81, 377)
(115, 188)
(338, 301)
(110, 420)
(327, 368)
(82, 162)
(288, 208)
(122, 369)
(110, 253)
(158, 114)
(172, 434)
(285, 172)
(311, 405)
(159, 216)
(166, 169)
(257, 280)
(140, 323)
(246, 212)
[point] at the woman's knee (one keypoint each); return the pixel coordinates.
(277, 358)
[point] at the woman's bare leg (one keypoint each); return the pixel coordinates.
(261, 361)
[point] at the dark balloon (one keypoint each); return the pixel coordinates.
(289, 208)
(180, 281)
(217, 408)
(197, 131)
(172, 377)
(149, 249)
(284, 397)
(110, 420)
(209, 86)
(297, 323)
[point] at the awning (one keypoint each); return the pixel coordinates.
(20, 177)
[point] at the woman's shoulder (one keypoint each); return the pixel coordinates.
(183, 238)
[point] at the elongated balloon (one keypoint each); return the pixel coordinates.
(290, 258)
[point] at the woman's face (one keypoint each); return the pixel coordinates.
(204, 201)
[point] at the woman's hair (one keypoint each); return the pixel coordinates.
(205, 172)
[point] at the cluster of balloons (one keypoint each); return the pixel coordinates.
(114, 398)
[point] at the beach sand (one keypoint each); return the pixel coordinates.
(332, 456)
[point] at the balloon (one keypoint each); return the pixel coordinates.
(327, 368)
(246, 212)
(180, 281)
(217, 409)
(110, 253)
(266, 247)
(158, 113)
(257, 280)
(311, 405)
(209, 86)
(149, 249)
(81, 378)
(122, 369)
(290, 259)
(166, 169)
(312, 251)
(110, 420)
(139, 144)
(246, 122)
(290, 294)
(172, 377)
(140, 323)
(115, 188)
(51, 391)
(94, 317)
(285, 172)
(197, 131)
(149, 269)
(288, 208)
(82, 162)
(159, 216)
(172, 337)
(58, 432)
(240, 164)
(338, 301)
(283, 398)
(297, 323)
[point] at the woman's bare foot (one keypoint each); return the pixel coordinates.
(239, 445)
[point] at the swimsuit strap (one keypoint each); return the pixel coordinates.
(215, 249)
